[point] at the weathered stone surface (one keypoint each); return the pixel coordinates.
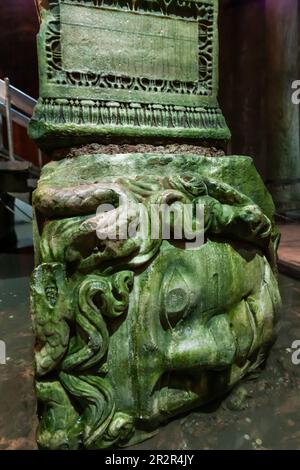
(128, 71)
(132, 332)
(114, 149)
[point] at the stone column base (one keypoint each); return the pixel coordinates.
(131, 331)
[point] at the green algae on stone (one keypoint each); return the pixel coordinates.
(128, 72)
(134, 330)
(140, 329)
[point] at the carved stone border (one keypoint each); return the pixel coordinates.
(203, 10)
(77, 108)
(99, 113)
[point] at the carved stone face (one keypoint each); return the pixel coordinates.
(197, 321)
(133, 332)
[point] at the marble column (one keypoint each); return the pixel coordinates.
(133, 330)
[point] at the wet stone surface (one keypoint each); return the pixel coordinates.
(263, 412)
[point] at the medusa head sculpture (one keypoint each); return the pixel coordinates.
(132, 331)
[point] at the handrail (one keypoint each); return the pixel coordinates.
(17, 117)
(17, 107)
(18, 99)
(8, 115)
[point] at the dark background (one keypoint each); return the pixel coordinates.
(244, 75)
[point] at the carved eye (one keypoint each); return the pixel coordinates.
(176, 299)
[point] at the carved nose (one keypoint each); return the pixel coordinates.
(210, 346)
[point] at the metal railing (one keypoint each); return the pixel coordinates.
(16, 107)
